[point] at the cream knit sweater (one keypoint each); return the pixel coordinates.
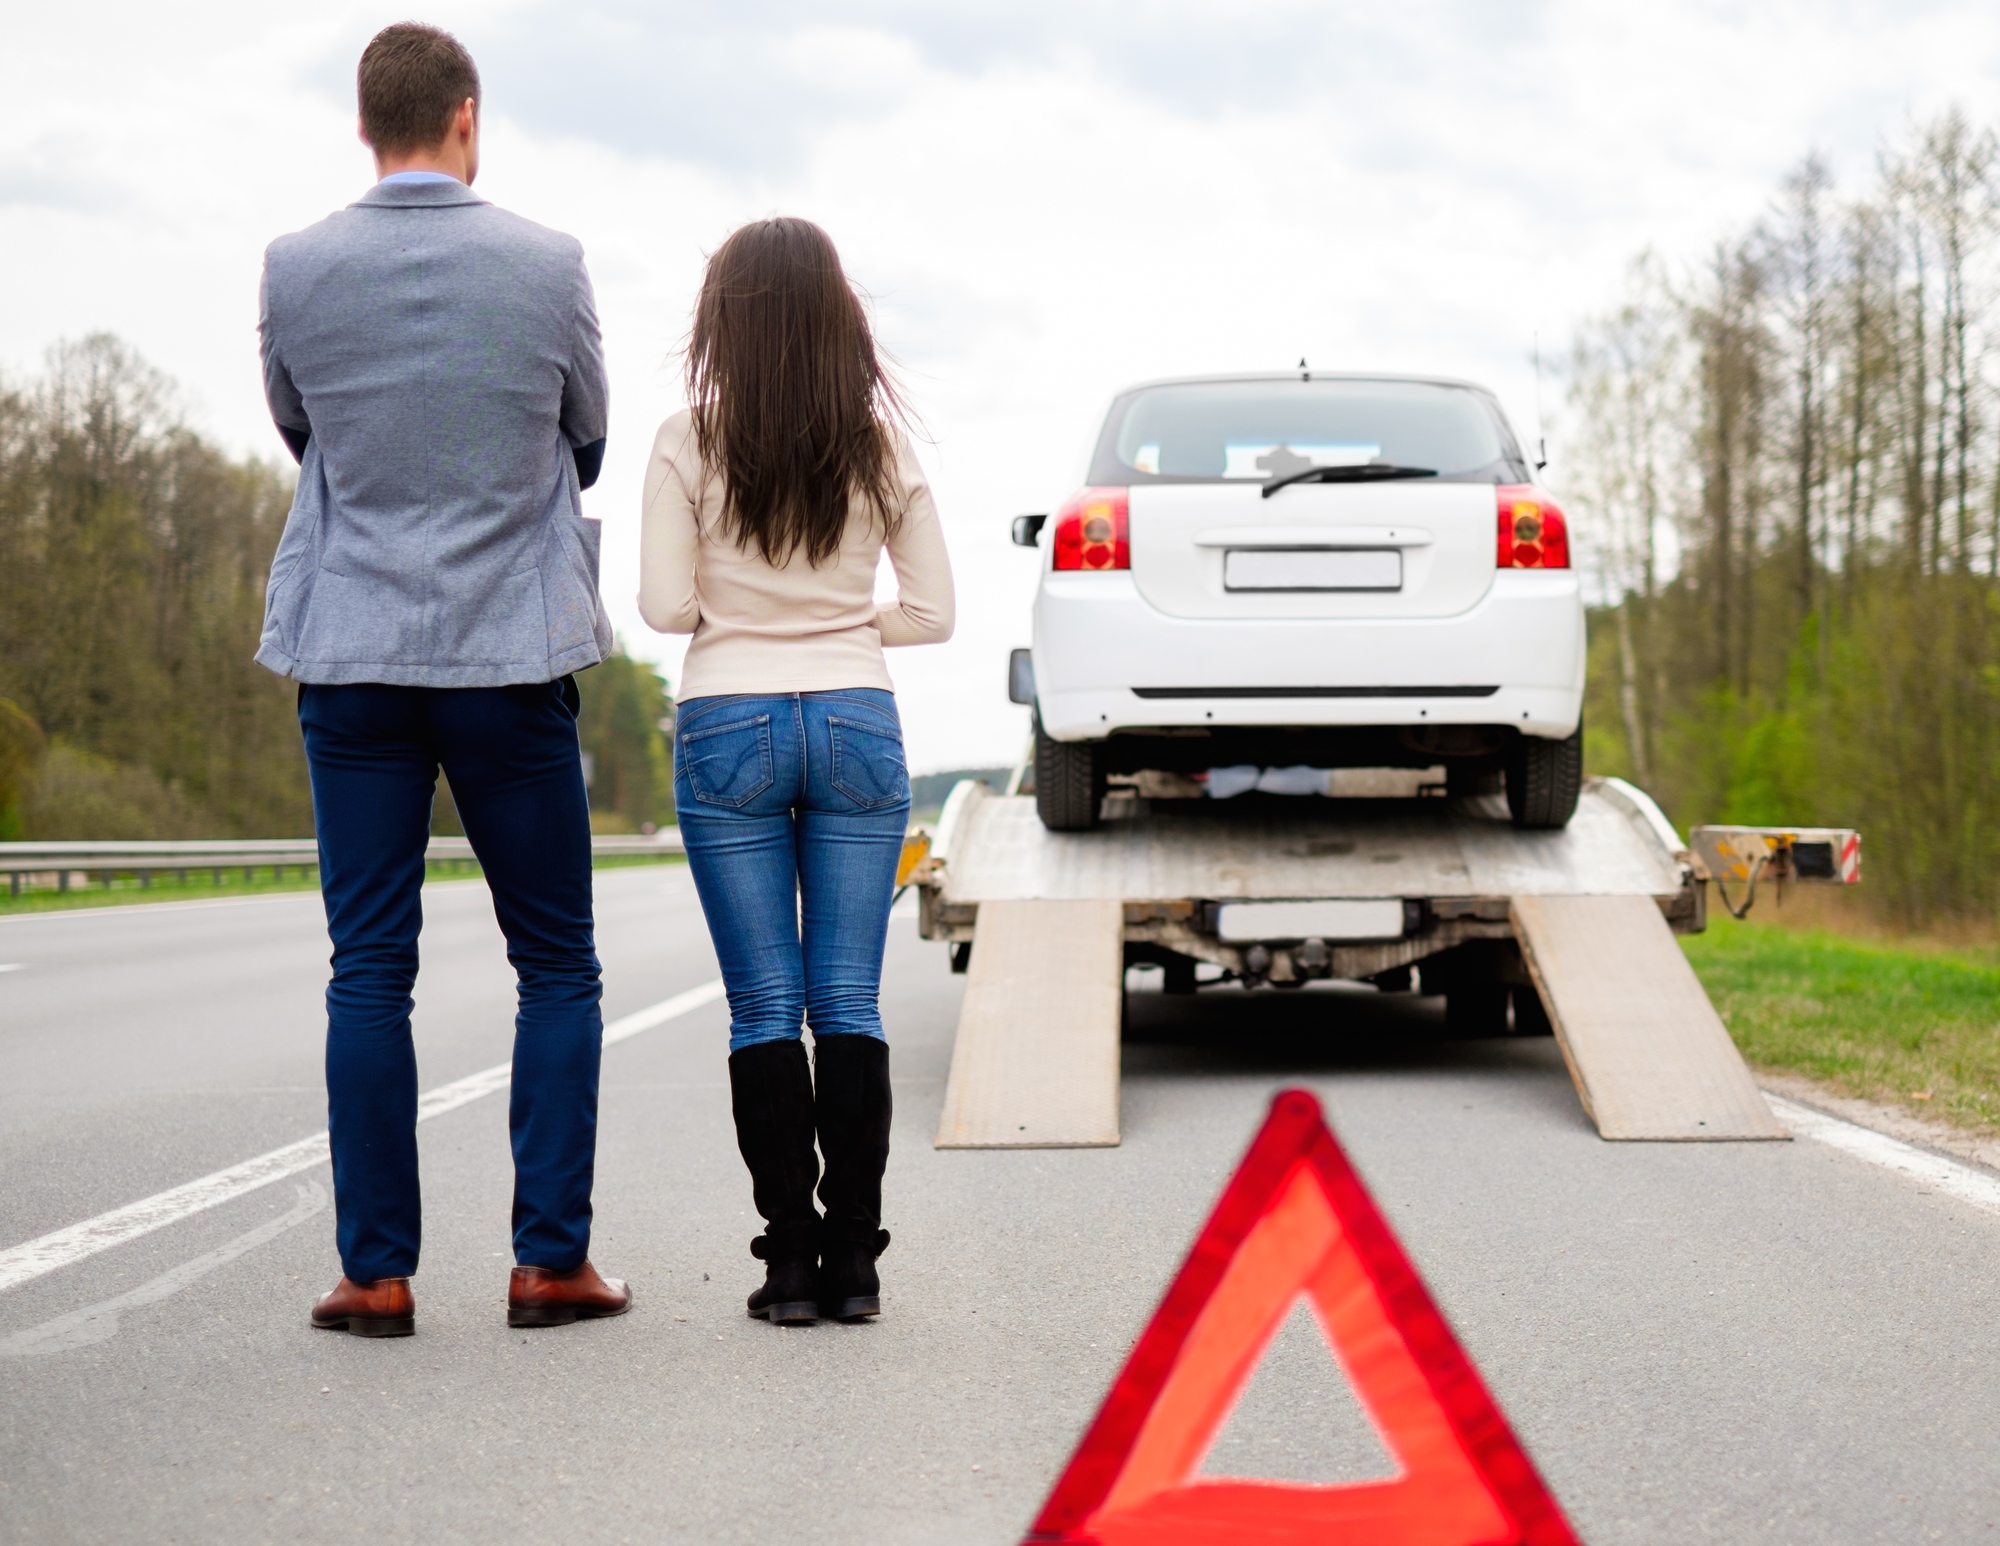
(763, 628)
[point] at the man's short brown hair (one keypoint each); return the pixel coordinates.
(411, 80)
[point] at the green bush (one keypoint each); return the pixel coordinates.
(77, 795)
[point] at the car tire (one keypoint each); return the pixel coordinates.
(1069, 782)
(1474, 1008)
(1531, 1016)
(1544, 779)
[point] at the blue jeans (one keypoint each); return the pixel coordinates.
(793, 809)
(516, 774)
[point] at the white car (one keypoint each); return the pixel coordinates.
(1306, 570)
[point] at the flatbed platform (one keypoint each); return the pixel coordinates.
(1567, 931)
(1458, 864)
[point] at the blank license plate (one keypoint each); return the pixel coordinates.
(1309, 569)
(1336, 918)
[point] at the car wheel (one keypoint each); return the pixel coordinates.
(1543, 780)
(1475, 1008)
(1531, 1016)
(1069, 782)
(1397, 979)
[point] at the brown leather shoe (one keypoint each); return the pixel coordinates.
(384, 1308)
(539, 1297)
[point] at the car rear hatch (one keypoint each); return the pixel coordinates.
(1303, 497)
(1392, 550)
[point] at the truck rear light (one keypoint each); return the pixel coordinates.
(1092, 531)
(1533, 533)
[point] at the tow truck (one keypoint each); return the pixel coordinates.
(1568, 931)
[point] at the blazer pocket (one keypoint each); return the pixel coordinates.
(350, 622)
(569, 585)
(493, 622)
(729, 765)
(868, 763)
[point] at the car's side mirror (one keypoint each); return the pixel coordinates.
(1021, 668)
(1028, 530)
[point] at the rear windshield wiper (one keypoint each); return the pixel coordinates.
(1351, 472)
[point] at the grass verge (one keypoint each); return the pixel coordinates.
(1908, 1023)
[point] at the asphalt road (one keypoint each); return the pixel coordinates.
(1768, 1343)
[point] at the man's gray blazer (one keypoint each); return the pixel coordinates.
(434, 362)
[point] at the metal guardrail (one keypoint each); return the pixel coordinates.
(145, 859)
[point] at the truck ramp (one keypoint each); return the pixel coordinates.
(1285, 891)
(1035, 1065)
(1650, 1057)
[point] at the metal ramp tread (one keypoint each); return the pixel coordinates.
(1650, 1057)
(1036, 1061)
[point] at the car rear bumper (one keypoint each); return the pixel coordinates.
(1105, 660)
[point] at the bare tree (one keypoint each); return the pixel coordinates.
(1811, 412)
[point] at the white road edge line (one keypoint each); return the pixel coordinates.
(34, 1258)
(1934, 1170)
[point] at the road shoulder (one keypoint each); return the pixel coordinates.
(1891, 1121)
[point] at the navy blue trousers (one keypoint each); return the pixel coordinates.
(516, 774)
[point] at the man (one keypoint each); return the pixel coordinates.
(434, 365)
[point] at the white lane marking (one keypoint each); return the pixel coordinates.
(33, 1258)
(11, 966)
(667, 1009)
(99, 1322)
(461, 1092)
(1934, 1170)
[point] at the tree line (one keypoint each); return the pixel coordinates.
(133, 556)
(1784, 460)
(1787, 461)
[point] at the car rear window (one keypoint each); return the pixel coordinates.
(1217, 431)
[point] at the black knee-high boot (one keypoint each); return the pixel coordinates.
(771, 1094)
(851, 1102)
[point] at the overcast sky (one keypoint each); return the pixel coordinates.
(1046, 199)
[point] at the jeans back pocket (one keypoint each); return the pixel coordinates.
(868, 763)
(729, 764)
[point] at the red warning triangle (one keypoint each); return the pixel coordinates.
(1295, 1221)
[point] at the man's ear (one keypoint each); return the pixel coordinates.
(466, 128)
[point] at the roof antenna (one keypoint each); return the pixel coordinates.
(1541, 434)
(1304, 374)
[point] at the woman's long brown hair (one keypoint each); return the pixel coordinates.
(790, 402)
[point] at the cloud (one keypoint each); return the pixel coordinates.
(56, 172)
(748, 87)
(722, 89)
(1046, 199)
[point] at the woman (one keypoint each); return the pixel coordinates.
(767, 506)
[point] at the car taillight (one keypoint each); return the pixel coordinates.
(1091, 531)
(1533, 533)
